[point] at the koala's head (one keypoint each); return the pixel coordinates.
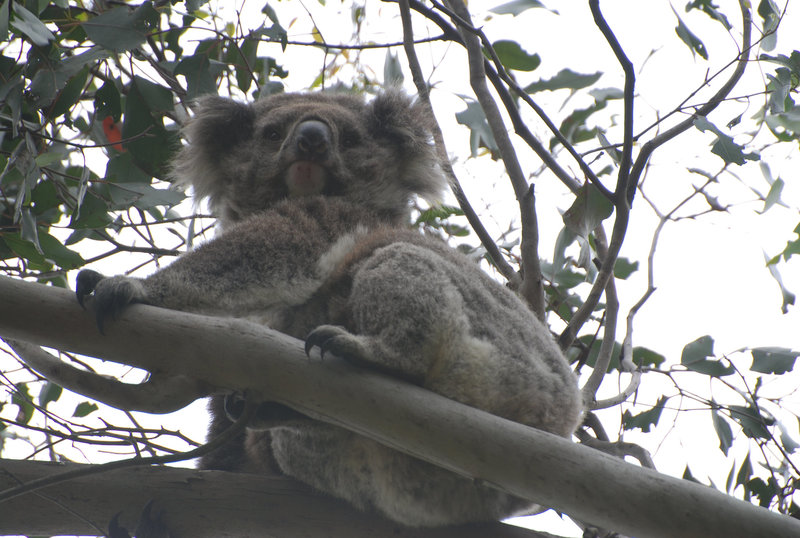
(246, 157)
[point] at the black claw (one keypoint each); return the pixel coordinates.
(85, 284)
(319, 338)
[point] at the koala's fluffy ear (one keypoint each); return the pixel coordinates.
(219, 125)
(407, 125)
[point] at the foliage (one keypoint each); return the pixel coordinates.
(92, 98)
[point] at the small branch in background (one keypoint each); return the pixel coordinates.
(610, 317)
(230, 433)
(623, 185)
(619, 449)
(492, 250)
(161, 393)
(528, 249)
(650, 146)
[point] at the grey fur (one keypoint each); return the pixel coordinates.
(337, 267)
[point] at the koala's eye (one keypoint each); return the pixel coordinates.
(272, 133)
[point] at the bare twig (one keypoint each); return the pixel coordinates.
(159, 394)
(704, 110)
(532, 279)
(424, 95)
(627, 183)
(233, 430)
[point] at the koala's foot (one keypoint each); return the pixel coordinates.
(111, 295)
(359, 350)
(340, 342)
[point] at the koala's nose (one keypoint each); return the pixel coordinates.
(313, 139)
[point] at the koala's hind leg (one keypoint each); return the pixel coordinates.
(408, 315)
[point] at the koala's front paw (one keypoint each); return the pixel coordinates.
(337, 340)
(111, 295)
(85, 284)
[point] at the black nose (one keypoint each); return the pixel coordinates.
(313, 140)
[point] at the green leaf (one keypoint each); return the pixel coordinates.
(724, 146)
(773, 360)
(623, 268)
(84, 408)
(516, 7)
(148, 141)
(788, 296)
(22, 398)
(687, 475)
(565, 79)
(765, 491)
(589, 209)
(694, 356)
(392, 70)
(142, 196)
(107, 101)
(244, 60)
(647, 357)
(723, 429)
(50, 393)
(745, 472)
(201, 75)
(785, 125)
(512, 56)
(789, 444)
(30, 25)
(55, 251)
(774, 195)
(792, 61)
(753, 424)
(50, 79)
(771, 16)
(4, 20)
(779, 87)
(691, 40)
(708, 7)
(119, 29)
(644, 421)
(480, 132)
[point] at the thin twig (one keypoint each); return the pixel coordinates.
(486, 240)
(529, 248)
(232, 431)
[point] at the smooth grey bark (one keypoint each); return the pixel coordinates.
(584, 483)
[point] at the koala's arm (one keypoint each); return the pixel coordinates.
(249, 269)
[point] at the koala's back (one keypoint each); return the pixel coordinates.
(414, 308)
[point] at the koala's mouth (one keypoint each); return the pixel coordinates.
(305, 178)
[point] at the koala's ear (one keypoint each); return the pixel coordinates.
(407, 126)
(219, 124)
(396, 116)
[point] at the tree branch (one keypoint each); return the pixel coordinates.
(486, 240)
(201, 504)
(529, 249)
(526, 462)
(159, 394)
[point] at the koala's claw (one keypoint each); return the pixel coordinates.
(111, 295)
(335, 339)
(85, 284)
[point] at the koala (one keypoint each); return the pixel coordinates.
(313, 193)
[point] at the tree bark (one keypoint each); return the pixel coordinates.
(588, 485)
(199, 504)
